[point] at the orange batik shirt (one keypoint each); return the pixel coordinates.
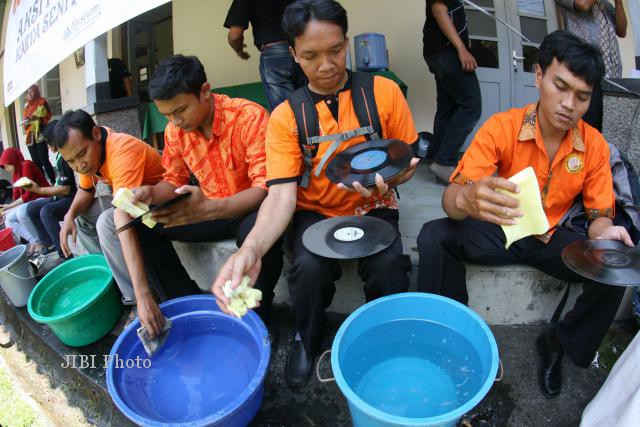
(511, 141)
(231, 161)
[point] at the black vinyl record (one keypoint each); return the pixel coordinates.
(388, 157)
(604, 261)
(348, 237)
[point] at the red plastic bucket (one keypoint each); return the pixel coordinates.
(6, 239)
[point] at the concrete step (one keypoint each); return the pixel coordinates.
(512, 295)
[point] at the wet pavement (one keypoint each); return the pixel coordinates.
(514, 401)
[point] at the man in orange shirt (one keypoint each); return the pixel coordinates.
(570, 159)
(119, 160)
(317, 30)
(220, 140)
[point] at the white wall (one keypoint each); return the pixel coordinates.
(198, 30)
(72, 85)
(401, 22)
(627, 50)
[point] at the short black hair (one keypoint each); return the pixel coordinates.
(78, 119)
(583, 59)
(298, 14)
(48, 132)
(175, 75)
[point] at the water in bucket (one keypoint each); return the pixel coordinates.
(195, 373)
(413, 368)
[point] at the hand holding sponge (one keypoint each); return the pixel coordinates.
(122, 200)
(23, 182)
(243, 298)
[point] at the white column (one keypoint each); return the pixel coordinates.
(633, 13)
(97, 70)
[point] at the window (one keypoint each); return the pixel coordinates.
(50, 89)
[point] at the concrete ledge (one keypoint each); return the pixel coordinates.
(512, 295)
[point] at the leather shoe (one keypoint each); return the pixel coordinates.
(550, 375)
(299, 365)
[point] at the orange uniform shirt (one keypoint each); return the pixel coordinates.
(128, 162)
(511, 141)
(285, 158)
(231, 161)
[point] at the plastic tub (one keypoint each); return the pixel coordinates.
(413, 359)
(210, 370)
(78, 300)
(16, 278)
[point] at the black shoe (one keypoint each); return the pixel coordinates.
(550, 374)
(299, 365)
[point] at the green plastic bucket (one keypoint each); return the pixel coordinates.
(78, 300)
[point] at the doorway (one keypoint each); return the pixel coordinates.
(149, 39)
(506, 61)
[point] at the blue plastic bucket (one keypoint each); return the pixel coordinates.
(209, 372)
(413, 359)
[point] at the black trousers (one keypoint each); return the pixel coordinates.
(312, 277)
(166, 268)
(459, 106)
(445, 244)
(40, 156)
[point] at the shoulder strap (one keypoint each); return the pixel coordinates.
(306, 115)
(364, 103)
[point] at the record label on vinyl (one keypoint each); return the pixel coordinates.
(368, 160)
(348, 234)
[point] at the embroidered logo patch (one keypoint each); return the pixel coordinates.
(574, 163)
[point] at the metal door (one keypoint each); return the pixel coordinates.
(506, 61)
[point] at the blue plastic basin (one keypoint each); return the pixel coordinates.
(210, 371)
(413, 359)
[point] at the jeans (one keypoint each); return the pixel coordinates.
(45, 215)
(280, 74)
(40, 156)
(459, 106)
(21, 224)
(445, 244)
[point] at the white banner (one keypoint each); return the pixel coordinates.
(42, 33)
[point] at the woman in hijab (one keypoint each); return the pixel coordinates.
(18, 219)
(37, 114)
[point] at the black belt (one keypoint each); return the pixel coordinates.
(270, 44)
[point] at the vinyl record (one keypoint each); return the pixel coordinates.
(604, 261)
(388, 157)
(348, 237)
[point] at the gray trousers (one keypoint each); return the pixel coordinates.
(97, 233)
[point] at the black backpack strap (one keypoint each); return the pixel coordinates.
(364, 103)
(308, 127)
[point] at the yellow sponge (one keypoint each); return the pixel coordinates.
(23, 182)
(242, 298)
(122, 199)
